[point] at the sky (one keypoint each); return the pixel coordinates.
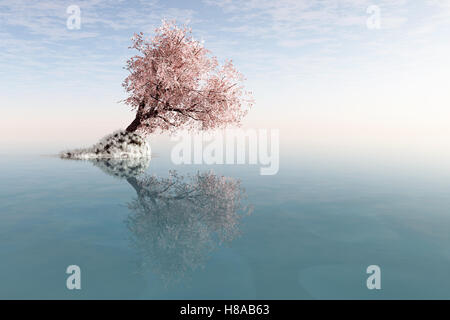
(367, 75)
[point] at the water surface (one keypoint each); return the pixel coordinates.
(144, 233)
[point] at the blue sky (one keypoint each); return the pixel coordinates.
(315, 67)
(284, 38)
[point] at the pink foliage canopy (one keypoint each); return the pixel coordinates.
(174, 83)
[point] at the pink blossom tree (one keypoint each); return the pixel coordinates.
(174, 83)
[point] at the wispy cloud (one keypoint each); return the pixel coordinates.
(293, 18)
(312, 37)
(267, 38)
(37, 45)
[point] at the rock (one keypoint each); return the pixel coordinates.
(118, 145)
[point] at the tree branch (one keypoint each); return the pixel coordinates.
(167, 121)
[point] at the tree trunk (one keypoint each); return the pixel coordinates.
(135, 124)
(137, 121)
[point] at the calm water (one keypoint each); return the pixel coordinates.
(308, 232)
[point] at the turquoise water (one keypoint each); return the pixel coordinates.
(308, 232)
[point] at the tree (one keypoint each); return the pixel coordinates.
(174, 83)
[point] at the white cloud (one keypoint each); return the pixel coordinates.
(37, 46)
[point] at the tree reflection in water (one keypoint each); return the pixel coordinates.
(175, 222)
